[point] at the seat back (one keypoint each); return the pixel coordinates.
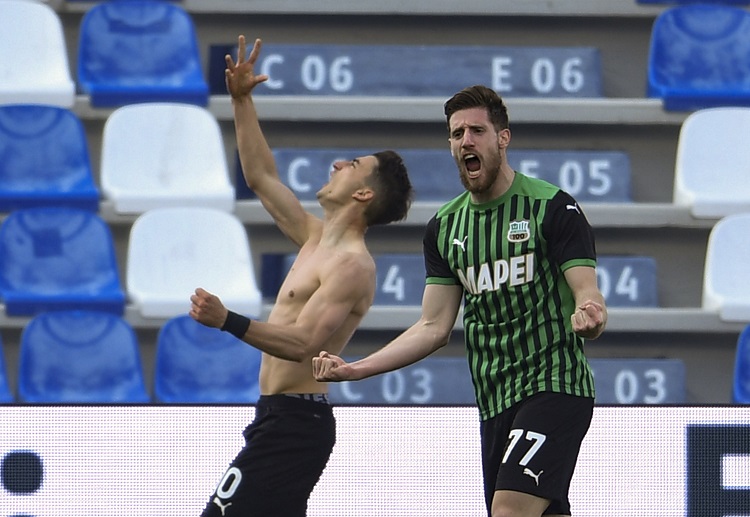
(164, 154)
(199, 364)
(44, 159)
(133, 51)
(172, 251)
(33, 56)
(698, 57)
(80, 356)
(712, 168)
(727, 270)
(741, 383)
(54, 258)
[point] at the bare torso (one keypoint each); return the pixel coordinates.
(315, 265)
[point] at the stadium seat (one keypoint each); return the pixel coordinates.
(80, 357)
(164, 154)
(132, 51)
(698, 57)
(6, 395)
(727, 270)
(54, 258)
(33, 56)
(741, 384)
(712, 168)
(172, 251)
(198, 364)
(44, 159)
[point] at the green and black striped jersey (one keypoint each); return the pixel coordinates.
(509, 255)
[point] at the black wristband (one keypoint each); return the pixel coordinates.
(236, 324)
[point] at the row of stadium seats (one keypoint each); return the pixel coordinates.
(53, 258)
(336, 77)
(93, 357)
(85, 356)
(172, 154)
(133, 51)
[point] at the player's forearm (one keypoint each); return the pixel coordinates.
(282, 341)
(255, 154)
(414, 344)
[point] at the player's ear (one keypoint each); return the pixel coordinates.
(503, 138)
(364, 194)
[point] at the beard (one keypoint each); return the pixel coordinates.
(485, 181)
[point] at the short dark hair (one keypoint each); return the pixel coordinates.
(479, 96)
(393, 190)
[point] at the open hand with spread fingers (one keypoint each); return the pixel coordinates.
(240, 76)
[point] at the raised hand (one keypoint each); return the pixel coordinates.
(240, 76)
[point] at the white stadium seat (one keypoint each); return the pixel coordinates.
(174, 250)
(726, 282)
(712, 168)
(164, 154)
(33, 56)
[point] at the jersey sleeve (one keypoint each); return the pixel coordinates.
(436, 267)
(570, 238)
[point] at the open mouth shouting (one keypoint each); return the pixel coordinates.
(472, 164)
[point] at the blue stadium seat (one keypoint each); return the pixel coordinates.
(80, 357)
(698, 57)
(33, 56)
(198, 364)
(6, 395)
(54, 258)
(741, 384)
(134, 51)
(418, 70)
(44, 159)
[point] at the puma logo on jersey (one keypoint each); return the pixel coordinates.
(531, 474)
(221, 506)
(462, 243)
(574, 206)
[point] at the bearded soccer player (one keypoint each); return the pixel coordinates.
(520, 255)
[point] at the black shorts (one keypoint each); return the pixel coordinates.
(286, 449)
(533, 447)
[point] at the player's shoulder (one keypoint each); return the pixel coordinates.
(535, 187)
